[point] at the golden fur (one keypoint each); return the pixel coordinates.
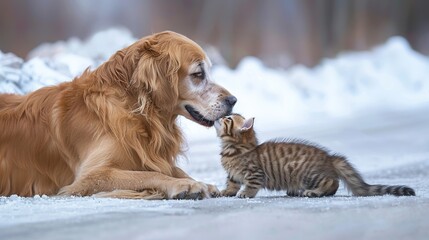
(112, 131)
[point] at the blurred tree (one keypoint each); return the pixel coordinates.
(281, 32)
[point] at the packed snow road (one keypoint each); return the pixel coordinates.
(388, 148)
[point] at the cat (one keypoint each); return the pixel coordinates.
(302, 169)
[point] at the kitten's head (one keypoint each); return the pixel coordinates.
(235, 128)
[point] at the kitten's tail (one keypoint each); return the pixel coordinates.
(356, 184)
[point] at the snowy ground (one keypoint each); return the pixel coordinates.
(371, 106)
(394, 152)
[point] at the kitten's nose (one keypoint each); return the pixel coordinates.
(231, 100)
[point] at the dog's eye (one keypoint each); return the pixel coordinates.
(200, 75)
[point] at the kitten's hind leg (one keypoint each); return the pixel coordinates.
(325, 187)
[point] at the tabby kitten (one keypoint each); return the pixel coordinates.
(299, 168)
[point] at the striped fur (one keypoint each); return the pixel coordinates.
(300, 168)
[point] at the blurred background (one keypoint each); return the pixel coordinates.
(280, 32)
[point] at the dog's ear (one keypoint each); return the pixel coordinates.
(121, 66)
(156, 73)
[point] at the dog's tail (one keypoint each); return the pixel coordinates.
(149, 194)
(359, 187)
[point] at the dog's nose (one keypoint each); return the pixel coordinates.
(231, 100)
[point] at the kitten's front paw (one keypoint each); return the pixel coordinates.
(245, 194)
(226, 193)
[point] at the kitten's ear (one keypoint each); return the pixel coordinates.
(247, 125)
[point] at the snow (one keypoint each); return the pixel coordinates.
(371, 106)
(352, 82)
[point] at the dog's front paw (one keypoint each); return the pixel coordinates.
(214, 192)
(188, 189)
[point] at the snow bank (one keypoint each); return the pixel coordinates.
(391, 76)
(93, 51)
(52, 63)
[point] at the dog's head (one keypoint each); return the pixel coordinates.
(175, 73)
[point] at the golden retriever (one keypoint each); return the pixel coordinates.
(112, 132)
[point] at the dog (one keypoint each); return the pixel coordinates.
(112, 131)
